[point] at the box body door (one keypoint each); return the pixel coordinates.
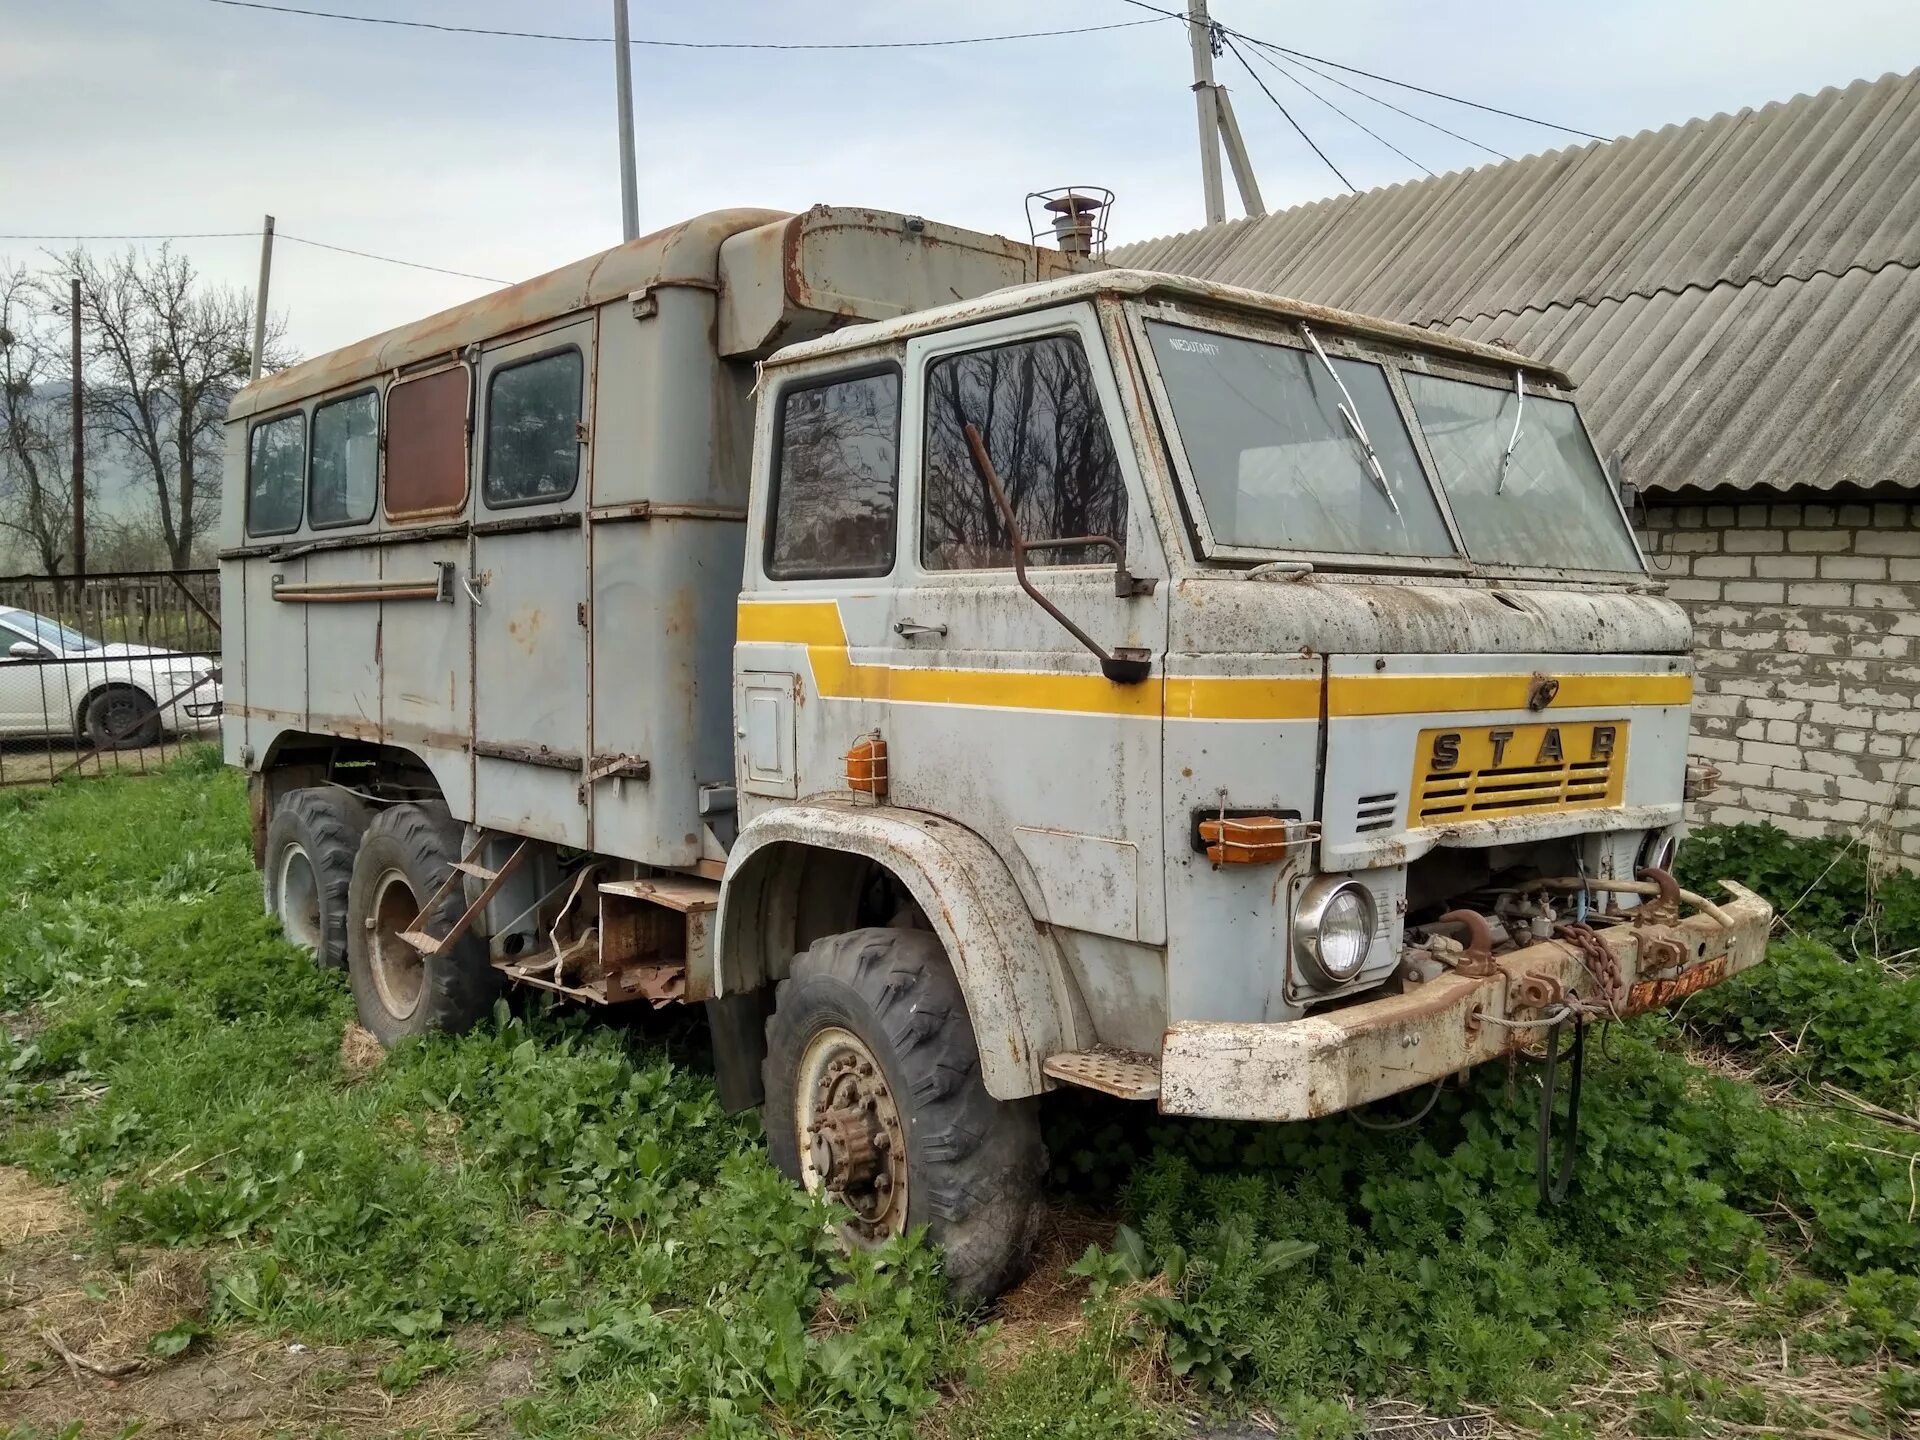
(531, 680)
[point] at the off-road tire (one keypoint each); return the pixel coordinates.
(121, 717)
(457, 986)
(323, 827)
(974, 1163)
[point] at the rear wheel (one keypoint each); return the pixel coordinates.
(399, 991)
(311, 842)
(874, 1098)
(122, 717)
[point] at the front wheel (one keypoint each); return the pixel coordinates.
(122, 717)
(874, 1098)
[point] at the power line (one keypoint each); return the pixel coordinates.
(278, 235)
(1353, 70)
(1228, 37)
(388, 259)
(185, 235)
(680, 44)
(1437, 94)
(1365, 95)
(1285, 74)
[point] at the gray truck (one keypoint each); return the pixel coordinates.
(968, 670)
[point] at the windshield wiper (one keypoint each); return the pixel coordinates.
(1519, 404)
(1350, 413)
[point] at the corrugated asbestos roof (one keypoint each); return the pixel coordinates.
(1736, 296)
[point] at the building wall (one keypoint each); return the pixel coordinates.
(1807, 638)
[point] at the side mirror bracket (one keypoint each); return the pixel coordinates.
(1124, 665)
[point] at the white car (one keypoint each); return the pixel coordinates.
(56, 681)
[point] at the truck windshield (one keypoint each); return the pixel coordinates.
(1277, 465)
(1552, 505)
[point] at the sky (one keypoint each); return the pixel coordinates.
(499, 156)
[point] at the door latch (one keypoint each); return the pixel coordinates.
(913, 629)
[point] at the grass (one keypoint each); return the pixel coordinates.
(172, 1064)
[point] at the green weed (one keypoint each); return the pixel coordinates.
(1323, 1259)
(1829, 1005)
(178, 1066)
(1825, 888)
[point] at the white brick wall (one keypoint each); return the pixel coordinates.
(1807, 639)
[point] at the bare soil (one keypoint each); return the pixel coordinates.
(75, 1325)
(42, 760)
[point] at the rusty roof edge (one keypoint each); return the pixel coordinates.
(687, 250)
(1136, 283)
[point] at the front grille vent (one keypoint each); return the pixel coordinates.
(1483, 794)
(1376, 812)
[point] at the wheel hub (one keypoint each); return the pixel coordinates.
(399, 974)
(853, 1141)
(299, 898)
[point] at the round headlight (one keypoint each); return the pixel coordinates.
(1333, 930)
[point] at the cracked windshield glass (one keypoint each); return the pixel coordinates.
(1278, 464)
(1545, 501)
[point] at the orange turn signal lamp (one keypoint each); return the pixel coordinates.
(867, 766)
(1251, 839)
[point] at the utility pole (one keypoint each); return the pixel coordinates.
(623, 87)
(260, 296)
(77, 403)
(1218, 127)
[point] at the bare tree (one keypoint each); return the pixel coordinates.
(166, 353)
(36, 480)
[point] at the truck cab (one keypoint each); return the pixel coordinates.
(1106, 679)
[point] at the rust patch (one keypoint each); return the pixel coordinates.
(525, 628)
(1651, 994)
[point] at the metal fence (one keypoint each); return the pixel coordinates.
(116, 672)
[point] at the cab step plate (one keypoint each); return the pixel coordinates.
(1125, 1073)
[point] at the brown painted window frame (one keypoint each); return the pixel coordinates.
(405, 517)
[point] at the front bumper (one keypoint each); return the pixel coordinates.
(193, 706)
(1323, 1064)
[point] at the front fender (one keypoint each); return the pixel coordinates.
(1010, 971)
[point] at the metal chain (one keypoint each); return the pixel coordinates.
(1598, 959)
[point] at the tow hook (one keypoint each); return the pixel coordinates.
(1664, 909)
(1475, 958)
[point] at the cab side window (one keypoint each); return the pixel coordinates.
(1035, 405)
(836, 480)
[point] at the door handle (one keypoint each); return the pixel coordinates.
(913, 629)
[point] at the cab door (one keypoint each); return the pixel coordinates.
(1002, 719)
(814, 621)
(530, 677)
